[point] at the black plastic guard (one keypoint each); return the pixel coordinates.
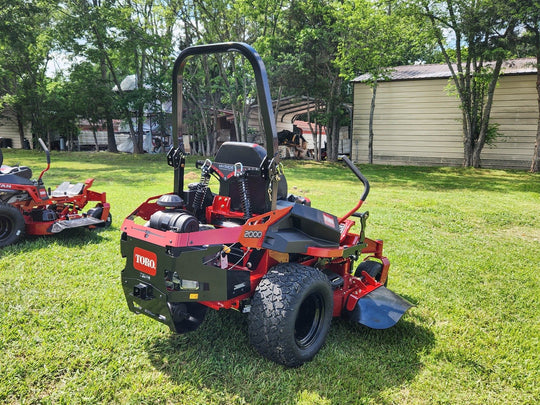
(302, 228)
(180, 317)
(150, 289)
(380, 309)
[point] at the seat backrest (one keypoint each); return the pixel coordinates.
(249, 154)
(21, 171)
(252, 155)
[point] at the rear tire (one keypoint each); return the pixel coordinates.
(107, 222)
(11, 225)
(97, 212)
(290, 314)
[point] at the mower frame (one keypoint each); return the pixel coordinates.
(27, 207)
(251, 246)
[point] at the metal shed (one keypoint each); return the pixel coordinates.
(417, 121)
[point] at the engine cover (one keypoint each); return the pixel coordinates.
(174, 220)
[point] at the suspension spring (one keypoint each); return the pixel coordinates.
(202, 187)
(245, 201)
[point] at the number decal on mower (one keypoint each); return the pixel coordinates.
(252, 234)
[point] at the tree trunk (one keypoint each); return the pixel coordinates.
(94, 132)
(332, 134)
(467, 141)
(335, 138)
(319, 141)
(479, 145)
(237, 126)
(329, 134)
(138, 147)
(371, 116)
(204, 129)
(111, 140)
(212, 141)
(20, 126)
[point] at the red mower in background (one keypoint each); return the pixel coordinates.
(252, 246)
(27, 207)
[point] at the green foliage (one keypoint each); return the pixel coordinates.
(484, 33)
(304, 64)
(375, 36)
(310, 47)
(493, 134)
(121, 39)
(464, 246)
(25, 48)
(480, 80)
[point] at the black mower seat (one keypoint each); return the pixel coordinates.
(21, 171)
(66, 189)
(251, 155)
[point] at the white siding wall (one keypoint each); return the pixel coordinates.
(515, 109)
(8, 129)
(416, 122)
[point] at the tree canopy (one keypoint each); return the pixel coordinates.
(311, 48)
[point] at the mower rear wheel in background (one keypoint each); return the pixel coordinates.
(107, 222)
(290, 314)
(371, 267)
(97, 212)
(11, 225)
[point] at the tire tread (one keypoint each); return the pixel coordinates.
(271, 317)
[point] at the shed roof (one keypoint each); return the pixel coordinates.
(294, 107)
(441, 71)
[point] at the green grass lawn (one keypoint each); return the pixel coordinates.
(464, 246)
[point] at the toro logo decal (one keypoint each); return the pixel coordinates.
(145, 261)
(329, 220)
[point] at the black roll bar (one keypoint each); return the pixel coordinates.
(263, 92)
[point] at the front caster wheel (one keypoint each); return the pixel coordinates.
(371, 267)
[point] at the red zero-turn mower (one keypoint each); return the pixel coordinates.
(252, 247)
(27, 207)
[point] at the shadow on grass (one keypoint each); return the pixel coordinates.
(424, 178)
(356, 364)
(76, 238)
(457, 178)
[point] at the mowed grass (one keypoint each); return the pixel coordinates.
(464, 246)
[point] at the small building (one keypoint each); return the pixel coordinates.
(9, 131)
(417, 121)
